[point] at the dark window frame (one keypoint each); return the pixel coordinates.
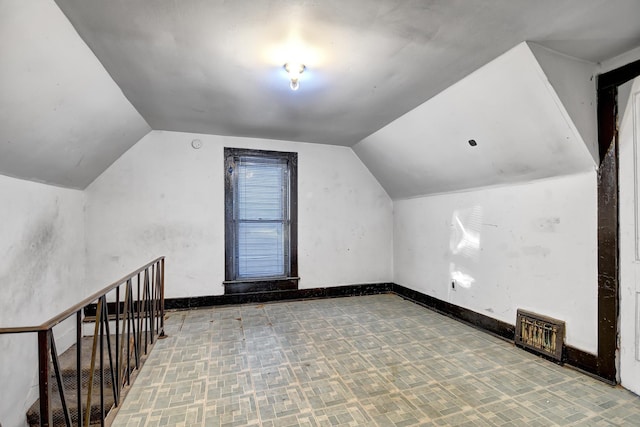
(231, 283)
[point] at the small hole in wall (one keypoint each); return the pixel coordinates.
(472, 142)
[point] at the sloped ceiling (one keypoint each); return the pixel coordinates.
(216, 67)
(63, 120)
(520, 126)
(574, 81)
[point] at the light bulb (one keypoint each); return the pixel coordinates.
(294, 70)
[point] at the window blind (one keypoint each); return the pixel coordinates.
(262, 217)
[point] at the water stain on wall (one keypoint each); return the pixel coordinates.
(30, 260)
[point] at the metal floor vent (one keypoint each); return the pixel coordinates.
(541, 334)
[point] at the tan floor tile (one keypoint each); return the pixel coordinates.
(374, 360)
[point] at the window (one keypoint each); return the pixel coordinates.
(261, 220)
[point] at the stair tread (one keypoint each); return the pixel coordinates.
(67, 360)
(71, 397)
(67, 363)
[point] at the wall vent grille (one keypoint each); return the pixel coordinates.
(541, 334)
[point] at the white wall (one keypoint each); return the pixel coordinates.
(41, 273)
(531, 246)
(163, 197)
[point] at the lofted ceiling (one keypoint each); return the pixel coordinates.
(491, 130)
(215, 67)
(63, 120)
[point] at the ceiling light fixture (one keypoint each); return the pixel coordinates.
(294, 70)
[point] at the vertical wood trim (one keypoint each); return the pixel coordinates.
(608, 216)
(607, 115)
(293, 215)
(608, 237)
(229, 235)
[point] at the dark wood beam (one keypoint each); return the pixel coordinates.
(615, 78)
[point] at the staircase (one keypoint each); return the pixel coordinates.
(68, 371)
(132, 308)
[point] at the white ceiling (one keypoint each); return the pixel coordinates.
(63, 120)
(216, 67)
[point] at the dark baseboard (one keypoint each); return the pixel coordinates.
(278, 295)
(577, 358)
(255, 286)
(477, 320)
(582, 360)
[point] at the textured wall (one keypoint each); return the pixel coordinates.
(165, 198)
(41, 273)
(530, 246)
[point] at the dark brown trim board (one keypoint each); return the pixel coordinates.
(263, 285)
(477, 320)
(278, 295)
(571, 356)
(608, 247)
(230, 157)
(608, 218)
(619, 76)
(582, 360)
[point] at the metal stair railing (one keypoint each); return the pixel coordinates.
(138, 310)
